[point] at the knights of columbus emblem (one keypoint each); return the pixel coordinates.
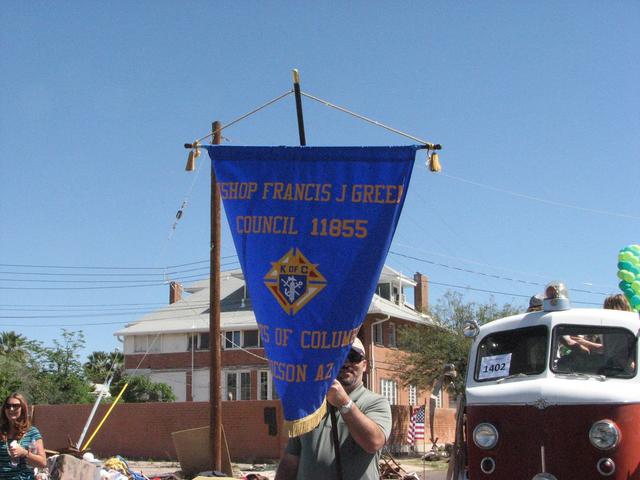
(293, 280)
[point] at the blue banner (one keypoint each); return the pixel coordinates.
(312, 227)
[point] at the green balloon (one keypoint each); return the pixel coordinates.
(625, 256)
(635, 302)
(626, 275)
(628, 266)
(635, 286)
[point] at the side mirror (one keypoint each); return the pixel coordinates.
(470, 329)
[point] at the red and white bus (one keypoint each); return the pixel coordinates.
(551, 395)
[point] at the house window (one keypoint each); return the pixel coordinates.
(413, 395)
(232, 339)
(377, 334)
(139, 344)
(201, 341)
(384, 291)
(237, 385)
(146, 343)
(389, 390)
(392, 335)
(266, 390)
(438, 398)
(251, 339)
(241, 339)
(245, 386)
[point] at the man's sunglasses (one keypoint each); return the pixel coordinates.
(355, 357)
(12, 406)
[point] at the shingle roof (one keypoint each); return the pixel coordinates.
(191, 313)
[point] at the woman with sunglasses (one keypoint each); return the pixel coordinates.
(21, 446)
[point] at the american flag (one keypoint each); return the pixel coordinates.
(416, 426)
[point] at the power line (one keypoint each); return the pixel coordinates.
(56, 305)
(497, 292)
(542, 200)
(39, 280)
(93, 315)
(85, 267)
(139, 283)
(485, 274)
(122, 274)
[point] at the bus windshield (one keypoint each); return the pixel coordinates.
(594, 350)
(512, 353)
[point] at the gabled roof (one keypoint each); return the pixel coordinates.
(191, 313)
(389, 275)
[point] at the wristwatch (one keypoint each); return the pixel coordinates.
(346, 408)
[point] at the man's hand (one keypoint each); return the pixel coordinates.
(364, 431)
(337, 396)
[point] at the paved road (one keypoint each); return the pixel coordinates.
(441, 475)
(428, 475)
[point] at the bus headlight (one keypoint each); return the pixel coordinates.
(485, 436)
(604, 435)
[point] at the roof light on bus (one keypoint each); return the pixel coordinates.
(604, 435)
(556, 297)
(485, 436)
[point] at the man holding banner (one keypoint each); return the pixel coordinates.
(312, 227)
(364, 425)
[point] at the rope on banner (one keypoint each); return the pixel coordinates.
(233, 122)
(429, 145)
(433, 162)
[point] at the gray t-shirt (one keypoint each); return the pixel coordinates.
(315, 449)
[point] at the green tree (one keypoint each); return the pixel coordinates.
(62, 378)
(18, 364)
(16, 345)
(430, 347)
(141, 389)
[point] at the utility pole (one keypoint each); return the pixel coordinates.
(215, 368)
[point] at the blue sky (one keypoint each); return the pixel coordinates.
(535, 103)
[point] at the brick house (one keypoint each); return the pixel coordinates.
(171, 345)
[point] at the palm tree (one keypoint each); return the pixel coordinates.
(99, 364)
(16, 345)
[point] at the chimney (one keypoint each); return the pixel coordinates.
(421, 292)
(175, 292)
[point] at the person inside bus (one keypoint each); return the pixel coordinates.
(575, 357)
(535, 303)
(587, 344)
(617, 302)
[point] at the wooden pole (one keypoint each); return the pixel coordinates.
(215, 368)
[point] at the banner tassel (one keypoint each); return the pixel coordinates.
(434, 163)
(295, 428)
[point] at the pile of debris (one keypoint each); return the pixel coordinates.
(68, 466)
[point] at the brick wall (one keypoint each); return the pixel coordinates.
(143, 430)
